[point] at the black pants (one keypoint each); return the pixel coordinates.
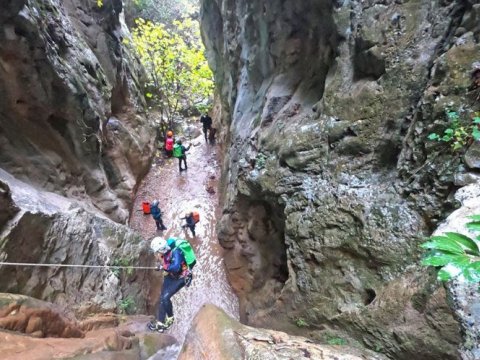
(184, 159)
(170, 287)
(205, 131)
(159, 223)
(191, 227)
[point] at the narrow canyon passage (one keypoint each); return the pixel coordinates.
(179, 193)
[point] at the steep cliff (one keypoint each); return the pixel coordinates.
(330, 182)
(71, 117)
(74, 143)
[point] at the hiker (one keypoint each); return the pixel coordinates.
(207, 125)
(191, 220)
(157, 215)
(169, 142)
(172, 260)
(179, 151)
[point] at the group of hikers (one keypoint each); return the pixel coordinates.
(175, 256)
(179, 151)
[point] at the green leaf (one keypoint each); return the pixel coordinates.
(446, 138)
(444, 275)
(449, 131)
(472, 272)
(433, 136)
(476, 134)
(149, 95)
(464, 241)
(443, 243)
(476, 120)
(474, 225)
(440, 259)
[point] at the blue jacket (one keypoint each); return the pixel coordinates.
(174, 260)
(155, 211)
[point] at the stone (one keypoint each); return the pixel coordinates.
(472, 156)
(214, 335)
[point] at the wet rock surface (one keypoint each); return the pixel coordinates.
(97, 338)
(215, 335)
(51, 229)
(179, 193)
(330, 183)
(64, 75)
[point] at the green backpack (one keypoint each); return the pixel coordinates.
(177, 150)
(186, 249)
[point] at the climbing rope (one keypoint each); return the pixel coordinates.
(78, 266)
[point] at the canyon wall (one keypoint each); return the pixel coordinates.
(330, 183)
(75, 142)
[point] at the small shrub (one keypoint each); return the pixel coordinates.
(300, 322)
(460, 132)
(126, 305)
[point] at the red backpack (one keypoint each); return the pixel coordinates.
(169, 144)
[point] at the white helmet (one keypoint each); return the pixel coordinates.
(160, 245)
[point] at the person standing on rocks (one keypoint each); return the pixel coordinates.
(157, 215)
(207, 125)
(180, 152)
(169, 142)
(190, 222)
(172, 261)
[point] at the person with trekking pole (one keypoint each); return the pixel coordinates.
(172, 260)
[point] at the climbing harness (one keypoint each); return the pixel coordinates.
(79, 266)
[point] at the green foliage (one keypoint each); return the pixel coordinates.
(455, 254)
(300, 322)
(122, 261)
(165, 11)
(99, 3)
(336, 341)
(260, 161)
(126, 305)
(460, 132)
(177, 69)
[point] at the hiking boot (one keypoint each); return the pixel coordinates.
(163, 227)
(169, 321)
(157, 326)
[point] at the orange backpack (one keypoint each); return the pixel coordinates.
(196, 216)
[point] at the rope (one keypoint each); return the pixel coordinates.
(78, 266)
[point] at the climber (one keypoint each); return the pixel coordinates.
(172, 261)
(169, 143)
(191, 220)
(157, 215)
(207, 125)
(179, 151)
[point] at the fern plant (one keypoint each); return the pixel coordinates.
(455, 254)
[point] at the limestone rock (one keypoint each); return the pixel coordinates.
(64, 73)
(214, 335)
(330, 183)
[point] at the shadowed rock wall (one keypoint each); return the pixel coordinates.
(330, 183)
(74, 144)
(71, 112)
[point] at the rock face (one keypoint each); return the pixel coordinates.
(50, 229)
(330, 181)
(71, 117)
(214, 335)
(74, 143)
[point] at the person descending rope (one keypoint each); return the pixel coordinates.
(191, 220)
(157, 215)
(169, 142)
(179, 151)
(176, 258)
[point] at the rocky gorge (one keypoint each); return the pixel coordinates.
(329, 181)
(328, 184)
